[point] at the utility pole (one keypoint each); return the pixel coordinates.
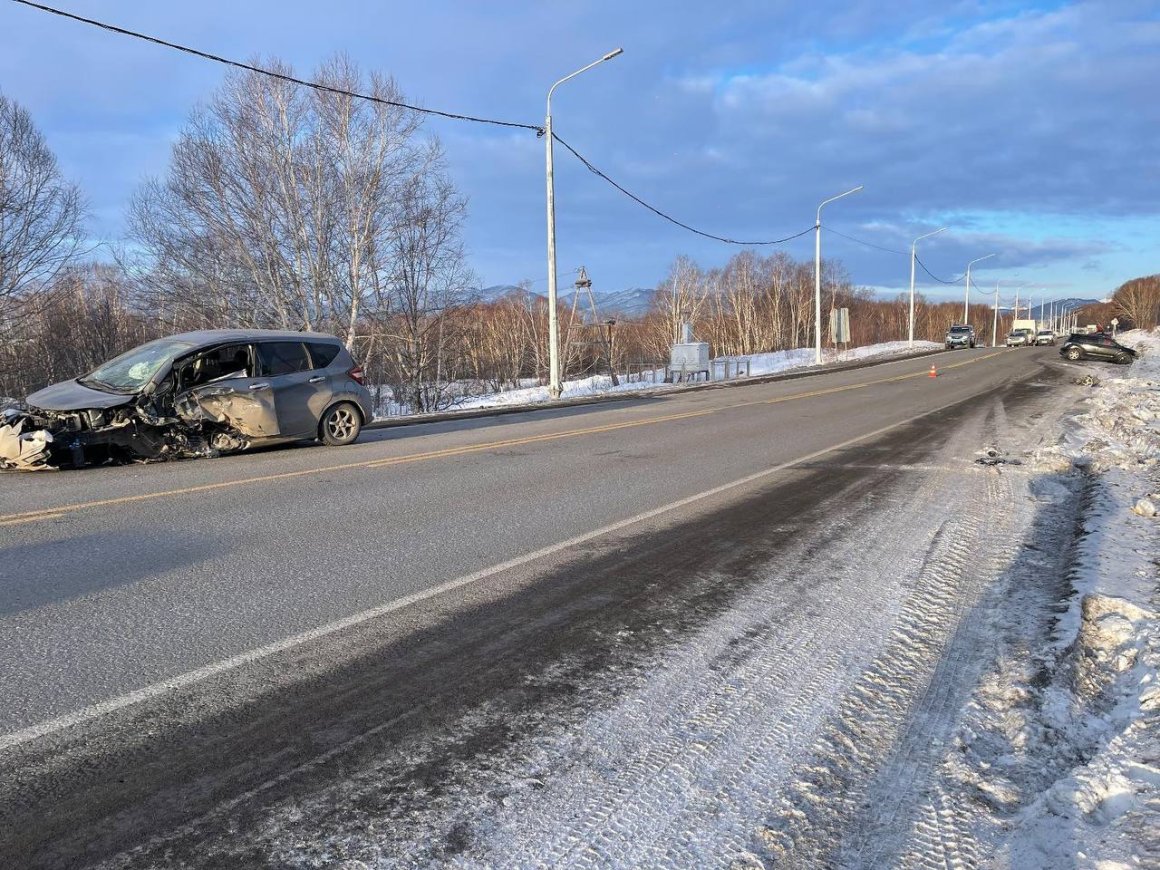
(583, 282)
(995, 325)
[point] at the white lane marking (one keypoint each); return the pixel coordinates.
(95, 711)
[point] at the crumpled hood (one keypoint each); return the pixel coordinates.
(72, 396)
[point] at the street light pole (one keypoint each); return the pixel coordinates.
(818, 275)
(913, 257)
(554, 388)
(967, 295)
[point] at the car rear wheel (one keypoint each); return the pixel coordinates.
(341, 424)
(1074, 353)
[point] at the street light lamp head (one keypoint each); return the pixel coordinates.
(612, 54)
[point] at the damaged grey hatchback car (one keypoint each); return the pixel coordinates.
(193, 394)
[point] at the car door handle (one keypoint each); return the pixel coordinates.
(317, 379)
(258, 385)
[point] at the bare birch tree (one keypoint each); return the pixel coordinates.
(680, 298)
(40, 212)
(429, 279)
(281, 203)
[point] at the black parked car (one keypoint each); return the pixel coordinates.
(1098, 345)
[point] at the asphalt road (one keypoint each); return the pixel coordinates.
(159, 621)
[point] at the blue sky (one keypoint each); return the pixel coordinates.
(1031, 129)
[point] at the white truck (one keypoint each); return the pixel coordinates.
(1029, 329)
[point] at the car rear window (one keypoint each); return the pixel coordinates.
(282, 358)
(322, 354)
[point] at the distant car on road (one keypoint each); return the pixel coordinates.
(960, 335)
(1045, 336)
(1096, 346)
(202, 393)
(1018, 338)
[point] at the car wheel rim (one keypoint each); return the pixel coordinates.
(341, 424)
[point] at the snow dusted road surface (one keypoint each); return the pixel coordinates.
(865, 663)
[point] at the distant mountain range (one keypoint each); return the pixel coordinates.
(633, 302)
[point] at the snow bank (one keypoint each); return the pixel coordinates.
(759, 364)
(1103, 717)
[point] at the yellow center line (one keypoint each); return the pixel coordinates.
(55, 512)
(7, 521)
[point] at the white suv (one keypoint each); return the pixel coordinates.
(960, 336)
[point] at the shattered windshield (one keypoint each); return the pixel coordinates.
(131, 371)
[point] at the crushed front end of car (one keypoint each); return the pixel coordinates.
(92, 436)
(141, 428)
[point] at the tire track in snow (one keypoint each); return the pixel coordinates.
(832, 787)
(889, 821)
(606, 824)
(829, 813)
(724, 756)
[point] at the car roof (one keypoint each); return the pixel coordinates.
(207, 337)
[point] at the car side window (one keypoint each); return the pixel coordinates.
(282, 358)
(322, 355)
(214, 364)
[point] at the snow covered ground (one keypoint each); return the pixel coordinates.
(759, 364)
(1098, 721)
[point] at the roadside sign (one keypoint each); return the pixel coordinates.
(840, 325)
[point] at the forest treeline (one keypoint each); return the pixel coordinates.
(305, 209)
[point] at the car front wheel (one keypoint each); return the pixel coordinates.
(1074, 353)
(1123, 359)
(341, 424)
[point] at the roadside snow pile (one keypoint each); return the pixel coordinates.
(1122, 429)
(1092, 718)
(759, 364)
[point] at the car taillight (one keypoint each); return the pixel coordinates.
(357, 374)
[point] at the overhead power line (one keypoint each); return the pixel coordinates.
(983, 292)
(588, 165)
(918, 260)
(863, 242)
(455, 116)
(271, 73)
(900, 253)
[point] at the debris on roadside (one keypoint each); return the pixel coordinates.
(1087, 381)
(994, 456)
(21, 450)
(1145, 507)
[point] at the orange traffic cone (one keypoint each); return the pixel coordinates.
(933, 373)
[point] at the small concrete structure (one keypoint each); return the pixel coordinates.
(689, 360)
